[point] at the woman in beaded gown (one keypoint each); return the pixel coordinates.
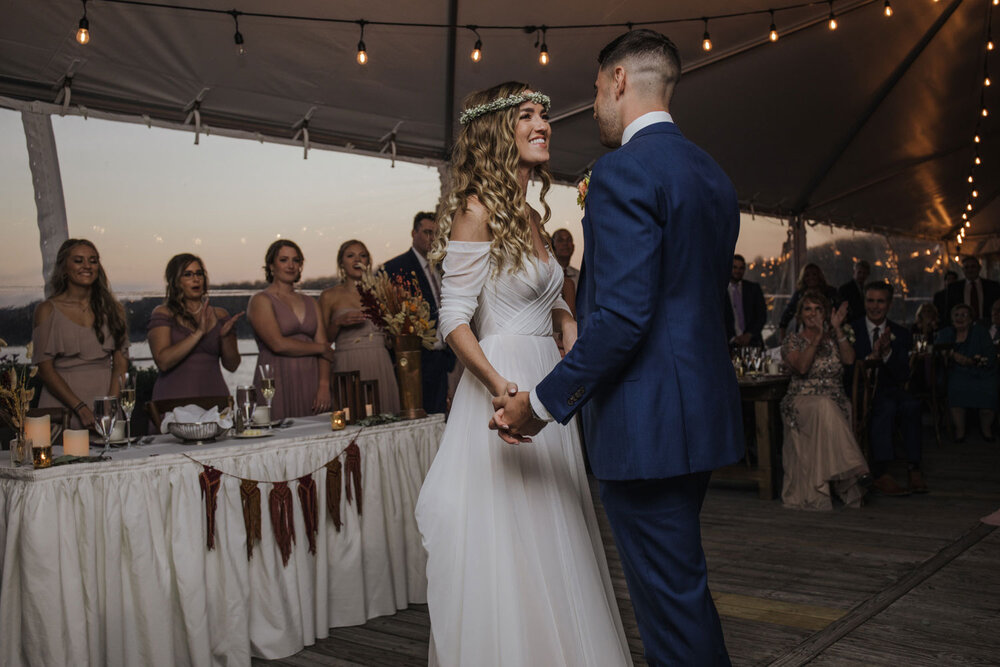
(819, 448)
(516, 571)
(359, 344)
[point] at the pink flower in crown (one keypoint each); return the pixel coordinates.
(581, 189)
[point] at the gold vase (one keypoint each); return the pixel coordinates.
(411, 392)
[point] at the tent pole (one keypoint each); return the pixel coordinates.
(449, 78)
(49, 201)
(798, 228)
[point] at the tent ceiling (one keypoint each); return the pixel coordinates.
(868, 126)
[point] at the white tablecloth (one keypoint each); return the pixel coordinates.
(106, 563)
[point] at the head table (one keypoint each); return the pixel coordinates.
(106, 563)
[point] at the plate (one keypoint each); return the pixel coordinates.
(123, 441)
(274, 424)
(253, 433)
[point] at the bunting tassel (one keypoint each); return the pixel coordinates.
(282, 523)
(352, 466)
(210, 480)
(334, 471)
(310, 513)
(250, 497)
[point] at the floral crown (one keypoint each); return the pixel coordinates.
(503, 103)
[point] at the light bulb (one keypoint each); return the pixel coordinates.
(967, 223)
(976, 138)
(773, 34)
(975, 193)
(833, 23)
(543, 56)
(362, 54)
(987, 82)
(989, 45)
(985, 112)
(477, 51)
(241, 49)
(977, 160)
(965, 216)
(970, 178)
(706, 42)
(887, 9)
(83, 32)
(968, 207)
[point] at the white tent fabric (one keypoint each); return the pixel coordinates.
(867, 126)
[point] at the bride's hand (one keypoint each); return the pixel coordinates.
(504, 388)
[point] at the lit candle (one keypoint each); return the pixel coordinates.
(369, 409)
(76, 442)
(347, 414)
(337, 420)
(38, 431)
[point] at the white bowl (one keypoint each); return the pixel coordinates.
(198, 432)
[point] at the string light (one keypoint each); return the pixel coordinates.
(362, 52)
(773, 32)
(83, 32)
(241, 50)
(887, 9)
(543, 53)
(477, 50)
(706, 40)
(978, 161)
(832, 23)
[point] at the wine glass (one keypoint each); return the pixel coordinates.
(128, 404)
(246, 401)
(105, 416)
(267, 385)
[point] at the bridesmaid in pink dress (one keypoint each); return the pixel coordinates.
(80, 338)
(188, 337)
(289, 337)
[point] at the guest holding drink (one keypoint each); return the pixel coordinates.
(287, 327)
(972, 373)
(360, 345)
(80, 337)
(820, 448)
(188, 337)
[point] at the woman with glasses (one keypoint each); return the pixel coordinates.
(188, 337)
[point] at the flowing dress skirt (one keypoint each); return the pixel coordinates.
(516, 571)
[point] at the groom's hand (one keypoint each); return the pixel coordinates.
(514, 420)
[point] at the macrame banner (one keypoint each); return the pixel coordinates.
(334, 471)
(310, 513)
(282, 523)
(209, 480)
(352, 466)
(250, 497)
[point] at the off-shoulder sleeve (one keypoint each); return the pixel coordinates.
(158, 320)
(466, 267)
(560, 304)
(42, 343)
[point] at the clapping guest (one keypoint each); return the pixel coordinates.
(287, 327)
(80, 337)
(976, 292)
(810, 278)
(972, 375)
(360, 345)
(188, 336)
(820, 449)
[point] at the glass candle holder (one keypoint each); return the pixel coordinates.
(337, 420)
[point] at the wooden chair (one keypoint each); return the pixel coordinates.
(862, 390)
(156, 409)
(929, 366)
(369, 396)
(345, 392)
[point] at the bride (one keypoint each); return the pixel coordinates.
(516, 572)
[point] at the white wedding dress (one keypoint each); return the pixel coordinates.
(516, 572)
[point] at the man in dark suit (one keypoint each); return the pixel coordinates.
(746, 310)
(437, 363)
(941, 299)
(853, 291)
(888, 344)
(650, 372)
(975, 292)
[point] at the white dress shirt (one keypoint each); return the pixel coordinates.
(967, 297)
(736, 292)
(435, 283)
(881, 330)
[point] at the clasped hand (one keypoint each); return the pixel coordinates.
(513, 419)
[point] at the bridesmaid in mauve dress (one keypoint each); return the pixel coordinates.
(286, 326)
(80, 338)
(360, 345)
(188, 337)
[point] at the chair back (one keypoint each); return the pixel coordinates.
(861, 396)
(369, 398)
(346, 393)
(156, 409)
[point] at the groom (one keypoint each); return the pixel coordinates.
(650, 372)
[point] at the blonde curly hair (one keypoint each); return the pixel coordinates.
(484, 164)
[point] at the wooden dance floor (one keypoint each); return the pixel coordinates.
(911, 580)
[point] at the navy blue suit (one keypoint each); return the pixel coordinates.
(891, 399)
(434, 364)
(651, 375)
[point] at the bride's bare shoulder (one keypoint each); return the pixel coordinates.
(471, 223)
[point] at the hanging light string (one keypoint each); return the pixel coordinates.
(982, 113)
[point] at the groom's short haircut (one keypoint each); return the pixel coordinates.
(653, 50)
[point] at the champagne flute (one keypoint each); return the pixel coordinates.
(127, 382)
(105, 416)
(267, 385)
(246, 400)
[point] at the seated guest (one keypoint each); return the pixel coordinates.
(810, 278)
(360, 345)
(287, 327)
(995, 322)
(188, 337)
(852, 292)
(819, 447)
(80, 337)
(941, 298)
(972, 375)
(888, 345)
(746, 311)
(976, 292)
(925, 371)
(926, 322)
(437, 363)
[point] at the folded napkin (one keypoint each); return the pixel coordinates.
(193, 414)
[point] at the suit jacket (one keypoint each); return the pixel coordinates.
(896, 371)
(851, 293)
(956, 295)
(941, 304)
(754, 313)
(650, 372)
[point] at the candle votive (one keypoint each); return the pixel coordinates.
(76, 442)
(369, 410)
(41, 454)
(347, 413)
(337, 420)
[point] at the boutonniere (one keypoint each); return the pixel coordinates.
(848, 332)
(581, 190)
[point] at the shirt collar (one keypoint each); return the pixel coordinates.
(871, 325)
(420, 258)
(644, 121)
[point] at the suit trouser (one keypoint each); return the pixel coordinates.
(658, 534)
(434, 368)
(889, 403)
